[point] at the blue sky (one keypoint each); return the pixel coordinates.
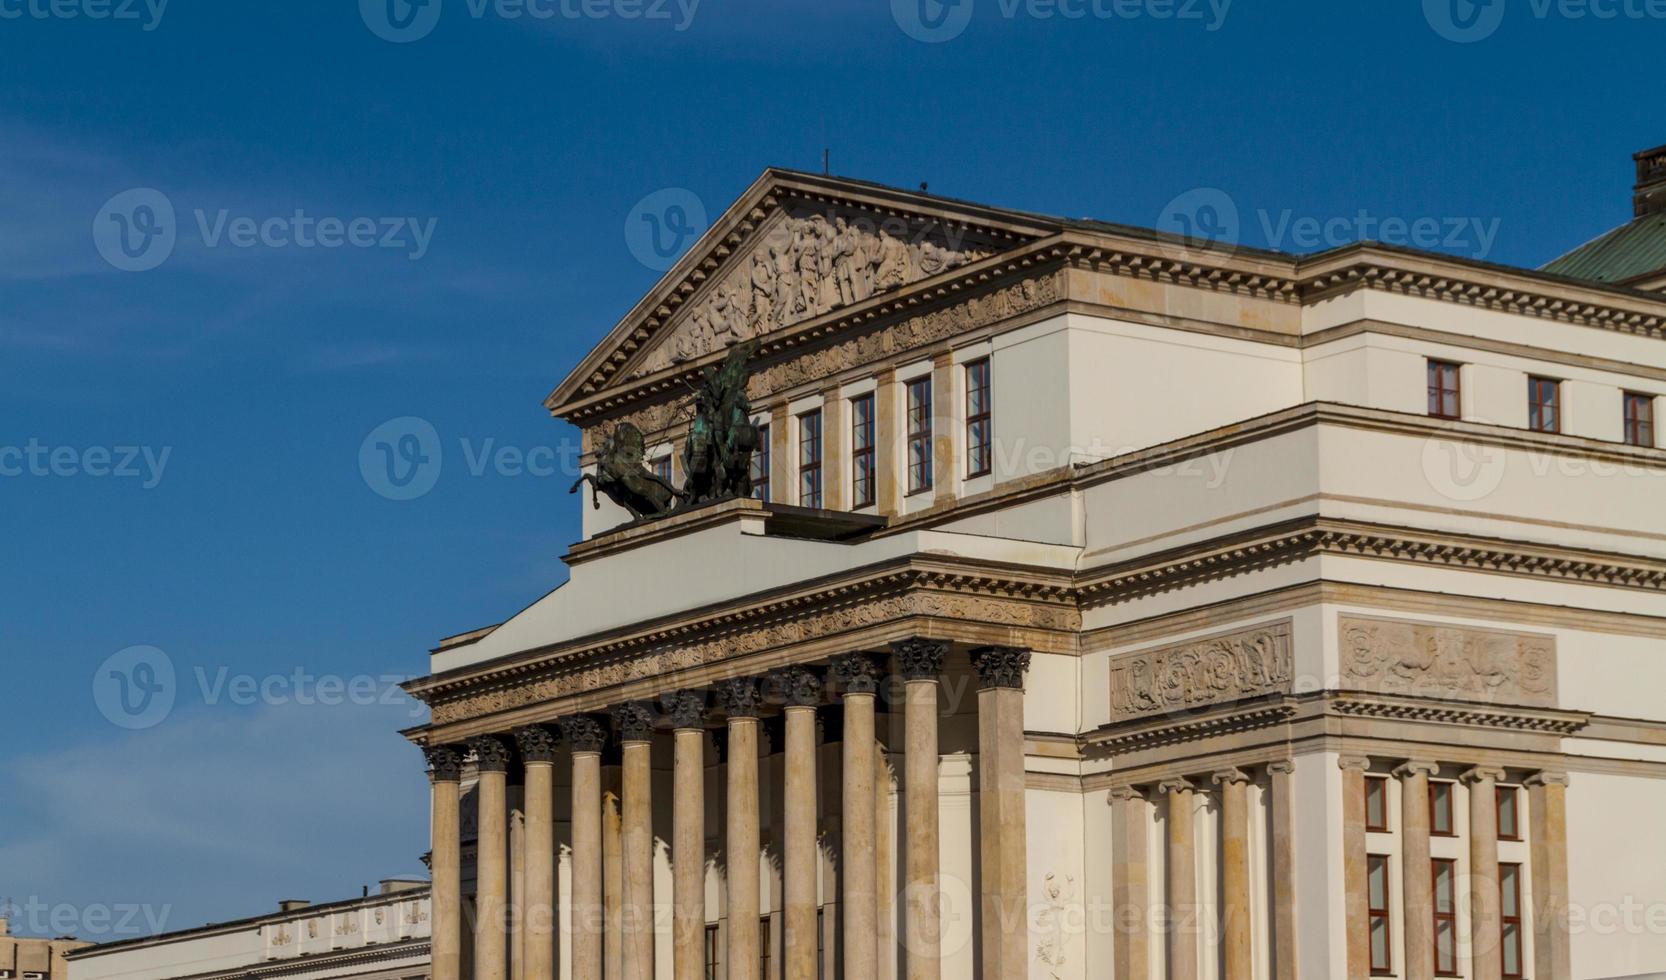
(502, 156)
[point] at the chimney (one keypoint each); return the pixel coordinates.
(1649, 195)
(5, 926)
(292, 904)
(391, 886)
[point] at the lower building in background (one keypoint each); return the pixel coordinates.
(33, 959)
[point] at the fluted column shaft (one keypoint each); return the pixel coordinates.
(491, 876)
(1181, 871)
(1355, 901)
(586, 737)
(921, 662)
(1486, 953)
(446, 765)
(636, 838)
(537, 746)
(1416, 882)
(859, 678)
(1282, 774)
(1130, 887)
(741, 700)
(688, 836)
(1001, 792)
(1548, 819)
(802, 692)
(1235, 873)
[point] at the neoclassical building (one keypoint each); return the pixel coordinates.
(1107, 605)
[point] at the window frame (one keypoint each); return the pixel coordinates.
(1437, 390)
(1505, 920)
(713, 946)
(864, 470)
(1638, 427)
(1500, 794)
(760, 465)
(810, 459)
(1380, 784)
(1384, 914)
(1446, 788)
(918, 428)
(763, 947)
(980, 424)
(661, 467)
(1436, 865)
(1536, 385)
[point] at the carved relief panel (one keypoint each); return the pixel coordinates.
(1197, 673)
(1393, 656)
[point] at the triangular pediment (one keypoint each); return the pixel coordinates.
(794, 248)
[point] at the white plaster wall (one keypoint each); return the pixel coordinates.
(1057, 879)
(1616, 874)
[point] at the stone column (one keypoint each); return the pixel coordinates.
(635, 723)
(741, 700)
(1547, 794)
(1355, 901)
(858, 675)
(921, 662)
(1416, 882)
(1130, 888)
(889, 473)
(1235, 872)
(586, 736)
(1181, 868)
(801, 691)
(1001, 793)
(688, 835)
(537, 744)
(1485, 950)
(445, 764)
(491, 876)
(948, 428)
(1283, 867)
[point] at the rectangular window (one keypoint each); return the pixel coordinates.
(1443, 390)
(919, 435)
(1509, 907)
(1446, 916)
(980, 443)
(1544, 405)
(711, 954)
(821, 944)
(809, 459)
(1509, 821)
(1376, 878)
(662, 467)
(1376, 804)
(760, 465)
(1440, 809)
(763, 948)
(1639, 419)
(862, 473)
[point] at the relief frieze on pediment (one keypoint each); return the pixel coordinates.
(1390, 656)
(805, 261)
(1200, 673)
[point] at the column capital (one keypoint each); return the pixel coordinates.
(584, 733)
(920, 659)
(1284, 766)
(1175, 784)
(537, 743)
(687, 710)
(445, 763)
(1231, 774)
(857, 673)
(1125, 793)
(1001, 667)
(741, 697)
(491, 753)
(1482, 774)
(634, 721)
(1548, 777)
(800, 687)
(1412, 768)
(1349, 762)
